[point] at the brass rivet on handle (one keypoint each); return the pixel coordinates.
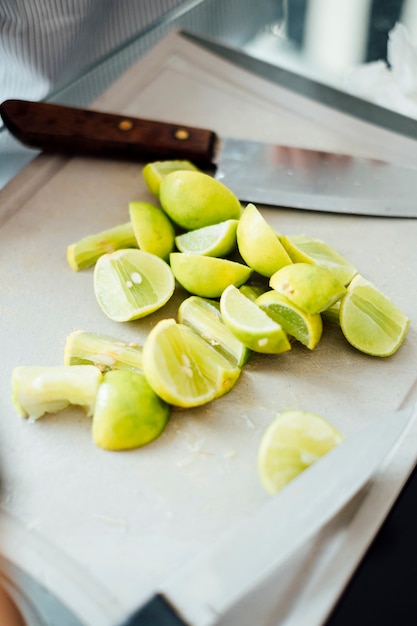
(125, 125)
(181, 134)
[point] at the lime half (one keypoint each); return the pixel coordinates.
(130, 284)
(291, 443)
(370, 321)
(251, 325)
(182, 368)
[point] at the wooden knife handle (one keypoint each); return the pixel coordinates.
(58, 128)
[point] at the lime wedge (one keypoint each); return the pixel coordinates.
(106, 353)
(130, 284)
(214, 240)
(194, 199)
(305, 327)
(154, 172)
(128, 414)
(39, 390)
(310, 287)
(308, 250)
(252, 325)
(258, 244)
(153, 229)
(86, 251)
(182, 368)
(207, 276)
(204, 317)
(370, 321)
(291, 443)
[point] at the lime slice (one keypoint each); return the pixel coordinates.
(106, 353)
(258, 244)
(214, 240)
(305, 327)
(86, 251)
(40, 390)
(310, 287)
(153, 229)
(308, 250)
(291, 443)
(207, 276)
(252, 325)
(194, 199)
(130, 284)
(128, 413)
(182, 368)
(154, 172)
(370, 321)
(204, 317)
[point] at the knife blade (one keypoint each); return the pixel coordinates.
(203, 590)
(275, 175)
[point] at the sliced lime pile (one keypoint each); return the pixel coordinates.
(214, 240)
(370, 321)
(130, 284)
(305, 327)
(204, 317)
(153, 229)
(291, 443)
(182, 368)
(128, 413)
(310, 287)
(258, 244)
(207, 276)
(304, 249)
(252, 325)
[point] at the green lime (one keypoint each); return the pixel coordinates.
(128, 413)
(194, 199)
(258, 244)
(370, 321)
(153, 229)
(154, 172)
(305, 327)
(87, 250)
(250, 324)
(103, 351)
(291, 443)
(203, 316)
(214, 240)
(182, 368)
(207, 276)
(308, 250)
(39, 390)
(310, 287)
(130, 284)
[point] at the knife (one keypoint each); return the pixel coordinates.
(257, 172)
(243, 559)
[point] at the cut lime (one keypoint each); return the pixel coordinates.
(106, 353)
(310, 287)
(86, 251)
(40, 390)
(370, 321)
(153, 229)
(308, 250)
(194, 199)
(258, 244)
(154, 172)
(130, 284)
(204, 317)
(207, 276)
(252, 325)
(182, 368)
(291, 443)
(305, 327)
(214, 240)
(128, 413)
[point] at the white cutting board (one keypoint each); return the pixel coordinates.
(119, 522)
